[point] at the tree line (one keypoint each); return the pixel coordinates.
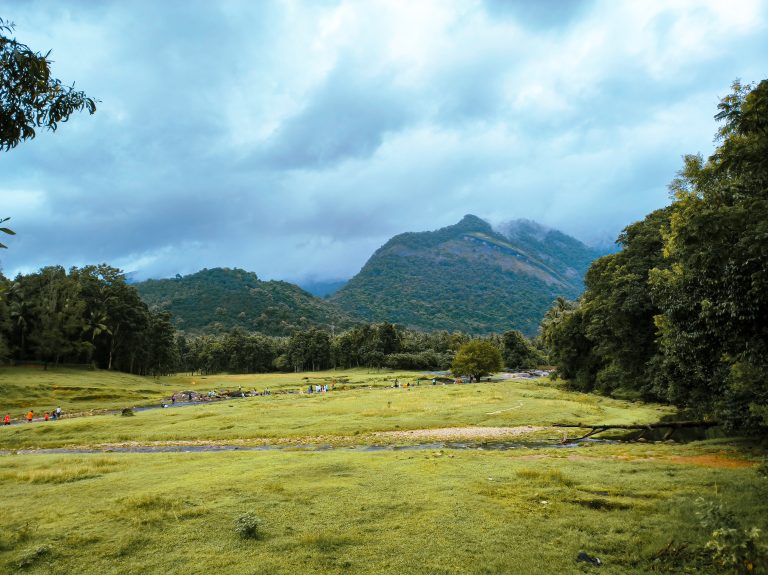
(377, 345)
(92, 316)
(88, 315)
(680, 314)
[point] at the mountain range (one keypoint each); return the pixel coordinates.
(466, 277)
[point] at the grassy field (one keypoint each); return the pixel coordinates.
(347, 415)
(435, 511)
(80, 391)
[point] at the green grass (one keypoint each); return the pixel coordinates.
(82, 391)
(75, 390)
(340, 415)
(343, 511)
(386, 512)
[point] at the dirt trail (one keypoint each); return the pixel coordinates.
(475, 433)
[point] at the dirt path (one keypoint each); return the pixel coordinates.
(456, 433)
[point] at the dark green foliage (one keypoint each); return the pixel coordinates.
(425, 360)
(89, 315)
(518, 352)
(564, 335)
(310, 350)
(248, 526)
(733, 549)
(218, 300)
(29, 97)
(714, 296)
(366, 345)
(618, 312)
(234, 352)
(680, 313)
(467, 277)
(477, 358)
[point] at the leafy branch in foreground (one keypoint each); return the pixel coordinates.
(29, 96)
(8, 231)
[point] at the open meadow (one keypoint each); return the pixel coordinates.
(363, 479)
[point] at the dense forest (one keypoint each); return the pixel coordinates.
(382, 345)
(680, 314)
(92, 316)
(88, 315)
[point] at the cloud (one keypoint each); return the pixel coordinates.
(294, 138)
(347, 117)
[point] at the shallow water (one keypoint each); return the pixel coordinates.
(449, 445)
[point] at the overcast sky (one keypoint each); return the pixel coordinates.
(294, 138)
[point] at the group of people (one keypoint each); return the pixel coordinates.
(319, 388)
(53, 414)
(405, 385)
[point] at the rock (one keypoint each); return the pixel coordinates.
(582, 556)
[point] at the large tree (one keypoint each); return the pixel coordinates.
(680, 313)
(477, 358)
(714, 295)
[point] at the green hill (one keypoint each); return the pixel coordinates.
(468, 277)
(219, 299)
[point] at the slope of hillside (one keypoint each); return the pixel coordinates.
(220, 299)
(468, 277)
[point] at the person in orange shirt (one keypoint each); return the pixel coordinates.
(7, 419)
(30, 415)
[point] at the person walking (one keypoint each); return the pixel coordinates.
(46, 416)
(58, 413)
(30, 415)
(7, 419)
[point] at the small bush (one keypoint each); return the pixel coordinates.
(248, 526)
(733, 548)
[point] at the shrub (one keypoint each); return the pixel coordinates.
(732, 548)
(248, 526)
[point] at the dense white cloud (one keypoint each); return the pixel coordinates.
(293, 138)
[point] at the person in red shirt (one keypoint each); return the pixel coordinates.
(7, 419)
(45, 417)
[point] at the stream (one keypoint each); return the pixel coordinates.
(448, 445)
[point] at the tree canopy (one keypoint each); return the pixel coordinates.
(680, 313)
(30, 97)
(477, 358)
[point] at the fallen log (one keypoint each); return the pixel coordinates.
(671, 425)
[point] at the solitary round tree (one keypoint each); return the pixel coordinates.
(477, 358)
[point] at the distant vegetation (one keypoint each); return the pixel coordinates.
(464, 278)
(367, 345)
(467, 277)
(681, 313)
(217, 300)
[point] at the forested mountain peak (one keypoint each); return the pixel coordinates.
(468, 277)
(219, 299)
